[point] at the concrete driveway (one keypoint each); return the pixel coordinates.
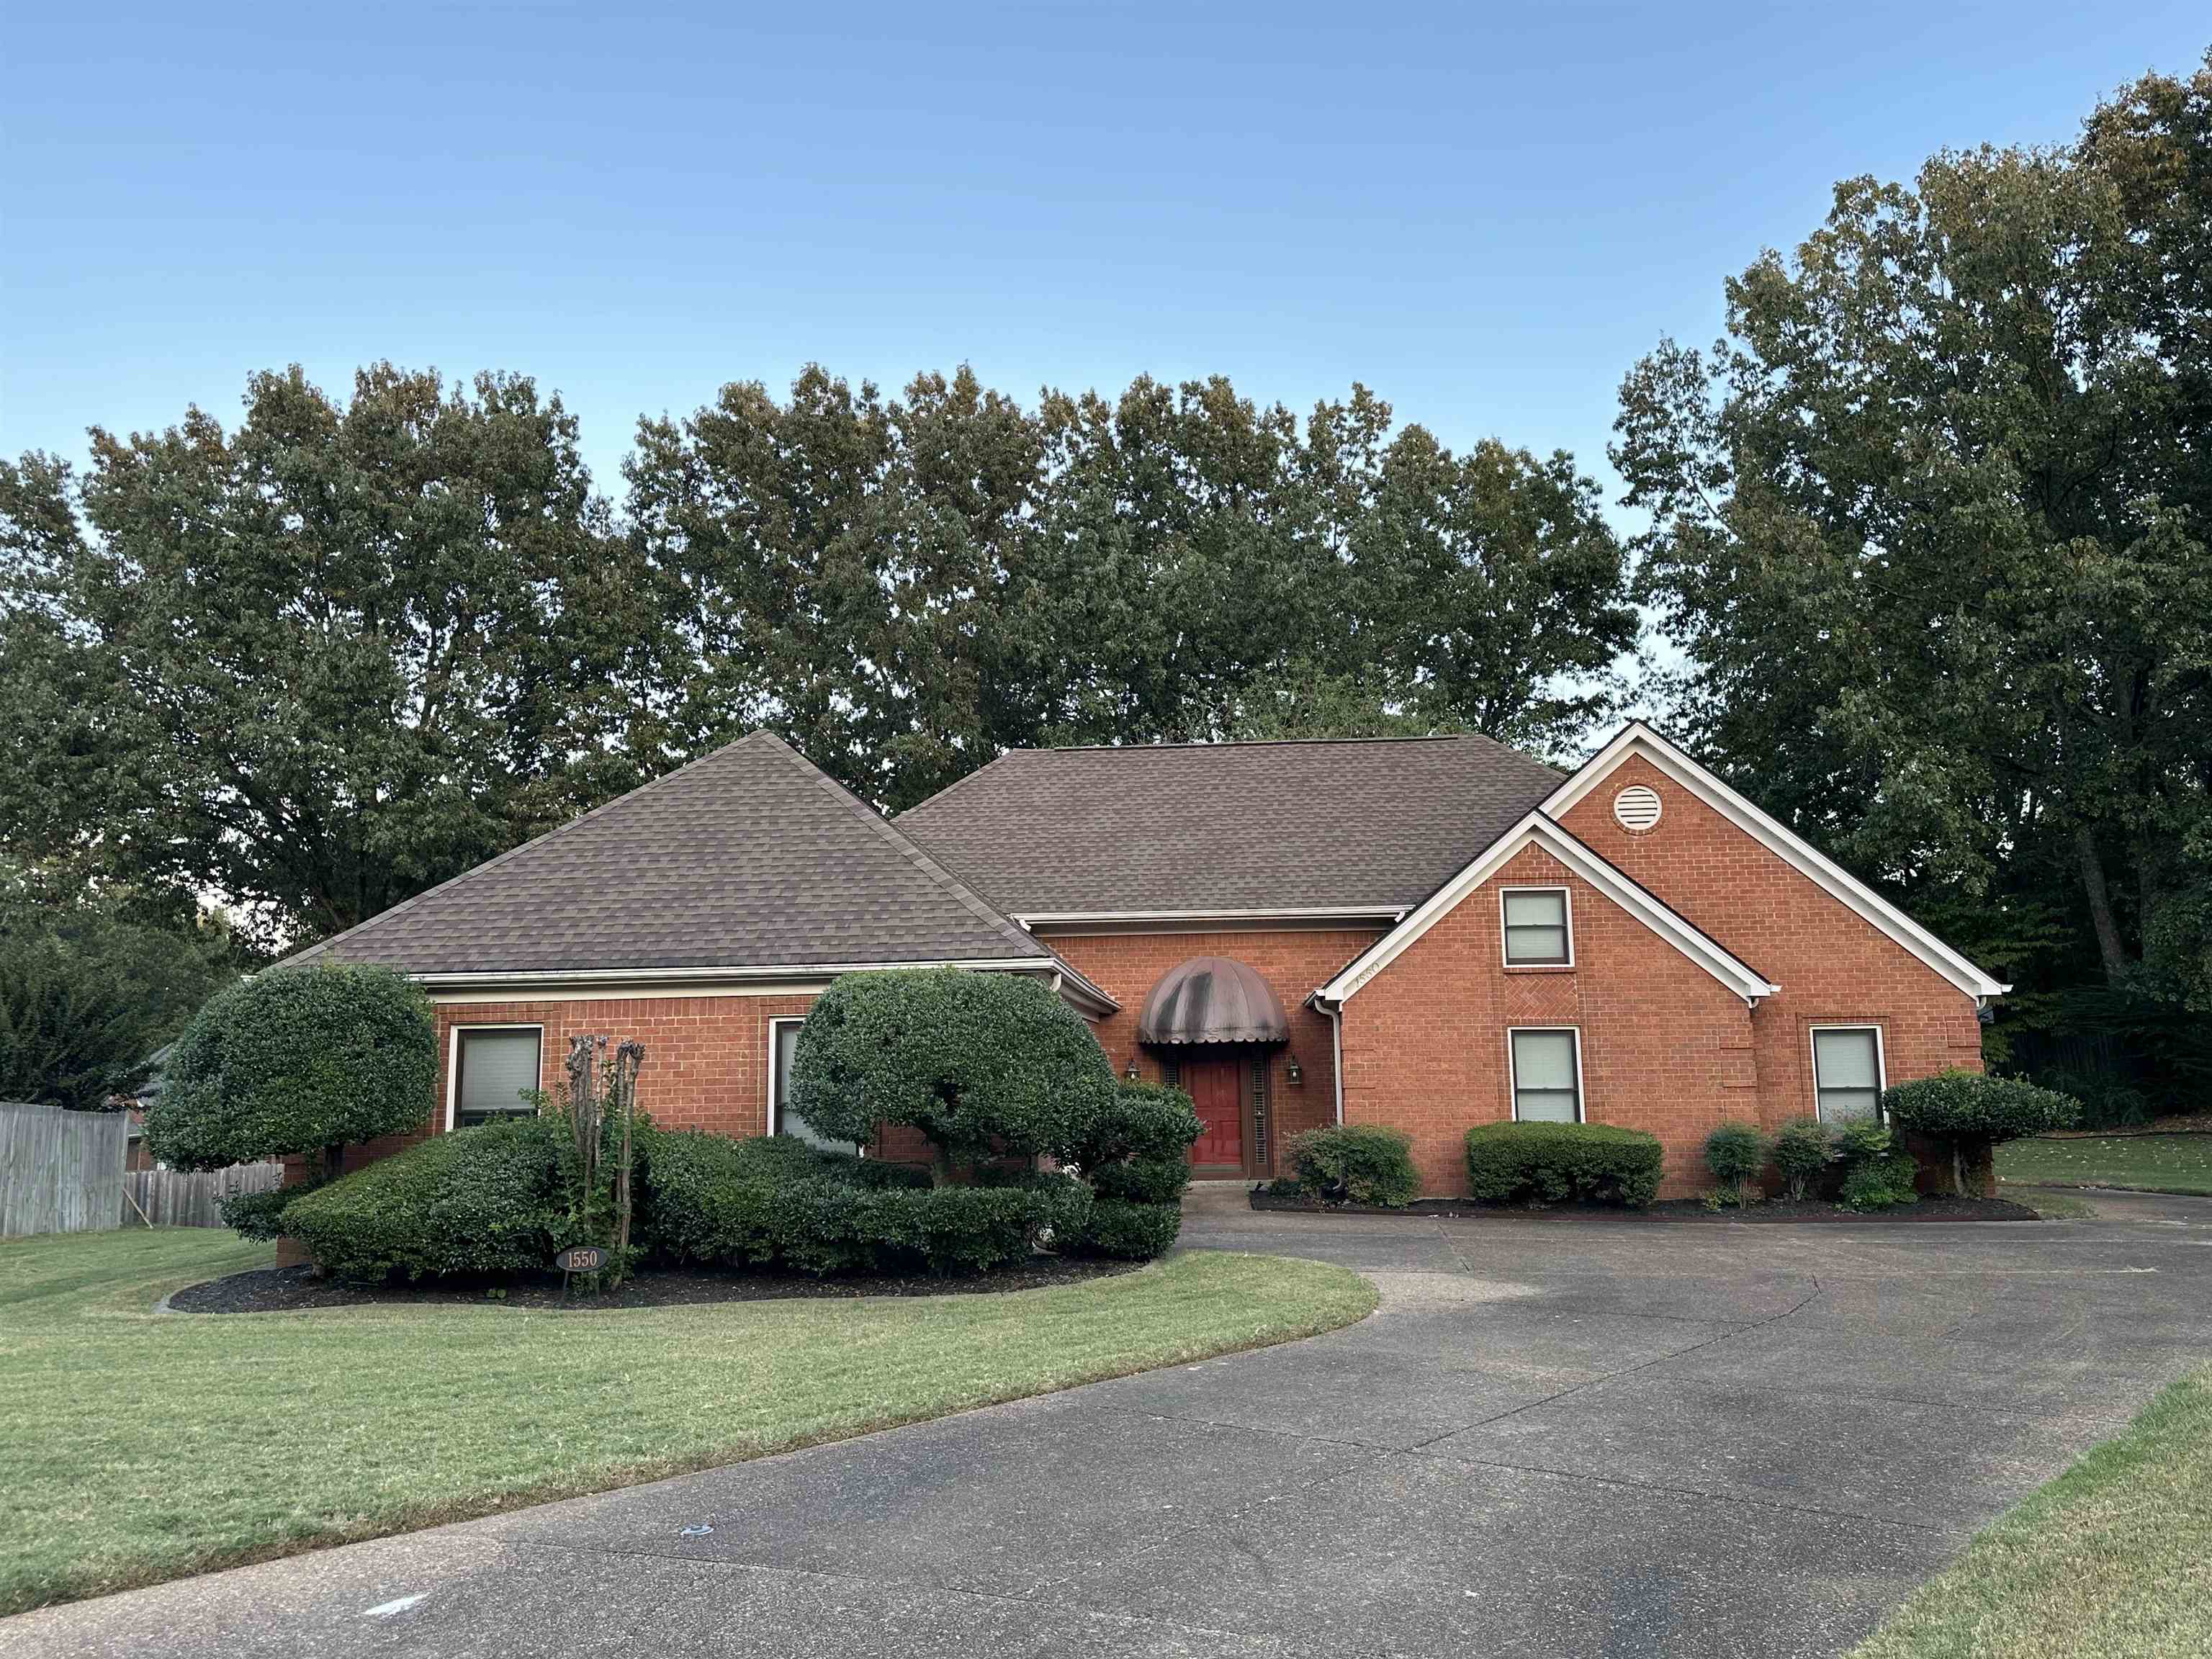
(1556, 1438)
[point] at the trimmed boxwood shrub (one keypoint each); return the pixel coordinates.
(485, 1200)
(297, 1059)
(260, 1215)
(983, 1064)
(1137, 1150)
(1128, 1232)
(775, 1201)
(1969, 1113)
(1355, 1164)
(1548, 1162)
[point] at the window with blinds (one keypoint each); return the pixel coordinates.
(1548, 1084)
(1847, 1071)
(494, 1068)
(783, 1044)
(1536, 928)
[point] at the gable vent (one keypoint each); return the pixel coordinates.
(1637, 808)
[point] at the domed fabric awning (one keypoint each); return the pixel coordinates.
(1213, 999)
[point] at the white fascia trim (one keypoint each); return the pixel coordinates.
(806, 970)
(1784, 843)
(1539, 830)
(1310, 913)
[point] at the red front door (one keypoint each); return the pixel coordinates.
(1216, 1089)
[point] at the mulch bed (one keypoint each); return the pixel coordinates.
(1680, 1209)
(288, 1290)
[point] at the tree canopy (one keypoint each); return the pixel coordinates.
(320, 661)
(1932, 528)
(90, 990)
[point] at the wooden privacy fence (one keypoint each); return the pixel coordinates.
(179, 1198)
(60, 1172)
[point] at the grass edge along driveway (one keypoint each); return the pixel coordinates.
(2114, 1557)
(137, 1446)
(2147, 1162)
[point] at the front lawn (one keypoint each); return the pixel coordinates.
(2113, 1558)
(2159, 1164)
(137, 1446)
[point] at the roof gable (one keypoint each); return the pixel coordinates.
(1639, 739)
(748, 858)
(1337, 827)
(1537, 830)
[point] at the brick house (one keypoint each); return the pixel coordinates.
(1424, 932)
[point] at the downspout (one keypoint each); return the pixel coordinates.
(1335, 1050)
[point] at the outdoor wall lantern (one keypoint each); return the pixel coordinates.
(1294, 1073)
(1133, 1070)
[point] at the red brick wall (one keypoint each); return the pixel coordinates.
(1834, 967)
(706, 1058)
(1665, 1046)
(1128, 965)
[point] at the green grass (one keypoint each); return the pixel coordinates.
(137, 1446)
(2157, 1163)
(2113, 1558)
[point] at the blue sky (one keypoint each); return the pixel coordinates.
(1484, 213)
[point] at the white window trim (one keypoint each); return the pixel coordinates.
(775, 1078)
(1537, 830)
(1880, 1061)
(1513, 1069)
(454, 1058)
(1566, 915)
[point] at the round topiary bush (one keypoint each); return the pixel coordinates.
(297, 1059)
(1971, 1113)
(982, 1064)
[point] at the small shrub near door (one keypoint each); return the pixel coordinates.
(1552, 1163)
(1135, 1157)
(1355, 1164)
(1129, 1232)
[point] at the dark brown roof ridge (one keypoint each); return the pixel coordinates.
(1236, 742)
(967, 896)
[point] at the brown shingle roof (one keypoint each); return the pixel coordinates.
(748, 857)
(1247, 826)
